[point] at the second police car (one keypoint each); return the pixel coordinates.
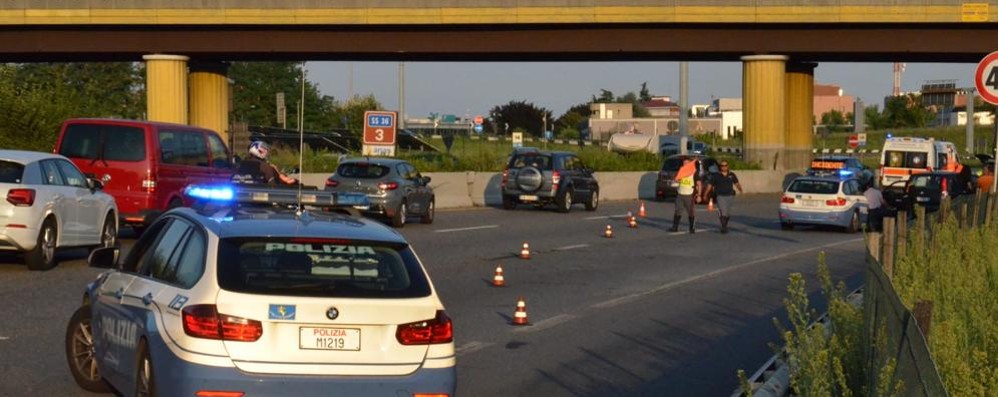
(823, 200)
(234, 299)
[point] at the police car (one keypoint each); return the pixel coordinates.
(234, 298)
(823, 200)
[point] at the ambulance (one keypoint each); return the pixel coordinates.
(903, 157)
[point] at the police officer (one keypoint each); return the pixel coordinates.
(689, 183)
(724, 184)
(259, 169)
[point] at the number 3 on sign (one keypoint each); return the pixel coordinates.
(379, 134)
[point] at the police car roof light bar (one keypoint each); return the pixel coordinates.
(268, 196)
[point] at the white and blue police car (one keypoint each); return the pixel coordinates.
(234, 298)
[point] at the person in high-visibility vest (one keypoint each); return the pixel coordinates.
(689, 185)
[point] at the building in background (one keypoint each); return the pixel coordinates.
(940, 97)
(829, 97)
(662, 106)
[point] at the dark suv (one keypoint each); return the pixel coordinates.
(926, 189)
(666, 186)
(541, 177)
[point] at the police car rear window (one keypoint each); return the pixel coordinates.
(320, 268)
(814, 187)
(362, 170)
(10, 172)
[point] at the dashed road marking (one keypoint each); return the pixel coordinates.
(571, 247)
(688, 232)
(471, 347)
(547, 323)
(664, 287)
(4, 338)
(463, 229)
(593, 218)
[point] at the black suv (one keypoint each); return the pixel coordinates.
(541, 177)
(926, 189)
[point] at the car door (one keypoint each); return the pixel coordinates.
(88, 204)
(184, 161)
(580, 185)
(111, 318)
(64, 204)
(855, 196)
(410, 188)
(423, 189)
(221, 165)
(152, 275)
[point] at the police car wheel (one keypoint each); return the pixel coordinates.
(853, 223)
(80, 353)
(145, 383)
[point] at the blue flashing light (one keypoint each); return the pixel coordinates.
(214, 193)
(889, 135)
(845, 173)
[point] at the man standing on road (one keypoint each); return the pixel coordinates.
(689, 184)
(874, 208)
(724, 184)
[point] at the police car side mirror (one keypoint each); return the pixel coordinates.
(104, 258)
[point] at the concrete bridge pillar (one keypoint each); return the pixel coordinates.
(209, 97)
(166, 88)
(764, 109)
(800, 109)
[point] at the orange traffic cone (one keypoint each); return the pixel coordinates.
(641, 211)
(633, 223)
(710, 205)
(629, 217)
(520, 316)
(609, 232)
(525, 252)
(498, 280)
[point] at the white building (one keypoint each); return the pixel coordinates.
(980, 118)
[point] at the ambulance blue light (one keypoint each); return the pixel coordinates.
(215, 193)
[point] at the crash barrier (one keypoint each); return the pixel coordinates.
(479, 189)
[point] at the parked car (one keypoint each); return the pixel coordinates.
(666, 186)
(926, 189)
(813, 200)
(51, 205)
(235, 300)
(145, 165)
(540, 177)
(840, 166)
(396, 189)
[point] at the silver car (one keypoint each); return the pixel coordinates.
(396, 189)
(49, 204)
(811, 200)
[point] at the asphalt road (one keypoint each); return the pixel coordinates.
(646, 313)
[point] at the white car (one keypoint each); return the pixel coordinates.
(262, 301)
(49, 204)
(813, 200)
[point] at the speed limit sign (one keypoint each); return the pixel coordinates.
(986, 78)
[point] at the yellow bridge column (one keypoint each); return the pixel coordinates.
(800, 110)
(763, 109)
(209, 99)
(166, 88)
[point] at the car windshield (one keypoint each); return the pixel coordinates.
(11, 172)
(320, 268)
(902, 159)
(539, 161)
(362, 170)
(814, 186)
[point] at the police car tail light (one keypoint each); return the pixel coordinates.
(837, 202)
(332, 182)
(555, 178)
(787, 200)
(21, 197)
(388, 186)
(204, 321)
(427, 332)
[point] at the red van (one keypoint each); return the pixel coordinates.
(144, 165)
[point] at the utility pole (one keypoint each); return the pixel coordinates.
(970, 121)
(684, 75)
(401, 117)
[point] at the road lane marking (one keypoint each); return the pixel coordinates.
(571, 247)
(627, 298)
(462, 229)
(593, 218)
(4, 337)
(687, 232)
(547, 323)
(471, 347)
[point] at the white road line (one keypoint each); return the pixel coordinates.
(668, 286)
(571, 247)
(462, 229)
(688, 231)
(471, 347)
(547, 323)
(593, 218)
(4, 337)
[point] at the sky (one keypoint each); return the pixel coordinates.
(472, 88)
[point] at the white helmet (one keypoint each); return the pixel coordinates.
(259, 150)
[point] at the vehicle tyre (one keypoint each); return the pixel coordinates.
(508, 202)
(854, 225)
(145, 382)
(428, 216)
(786, 226)
(80, 353)
(43, 256)
(109, 232)
(593, 202)
(398, 220)
(564, 201)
